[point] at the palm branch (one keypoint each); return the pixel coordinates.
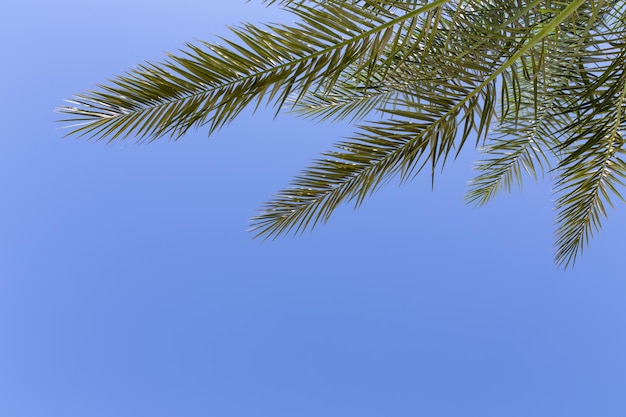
(549, 76)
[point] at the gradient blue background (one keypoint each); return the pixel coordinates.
(129, 287)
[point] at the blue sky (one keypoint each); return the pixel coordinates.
(129, 286)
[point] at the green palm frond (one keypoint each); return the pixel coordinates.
(509, 158)
(548, 75)
(585, 186)
(557, 119)
(211, 84)
(525, 137)
(593, 167)
(400, 146)
(393, 147)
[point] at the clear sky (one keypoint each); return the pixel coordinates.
(129, 286)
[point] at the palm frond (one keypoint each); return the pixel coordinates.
(211, 84)
(549, 73)
(530, 117)
(427, 126)
(509, 158)
(399, 146)
(585, 187)
(593, 167)
(566, 107)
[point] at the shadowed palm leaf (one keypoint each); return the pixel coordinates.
(547, 75)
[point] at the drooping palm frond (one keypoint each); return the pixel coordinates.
(525, 138)
(593, 167)
(558, 120)
(400, 146)
(548, 74)
(428, 126)
(585, 187)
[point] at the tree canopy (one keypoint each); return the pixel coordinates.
(538, 86)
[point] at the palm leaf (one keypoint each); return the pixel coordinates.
(593, 167)
(427, 127)
(358, 167)
(211, 84)
(585, 187)
(550, 74)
